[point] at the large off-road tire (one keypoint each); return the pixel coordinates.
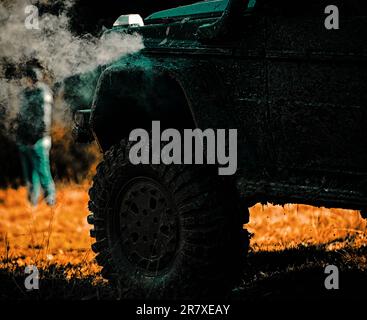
(165, 232)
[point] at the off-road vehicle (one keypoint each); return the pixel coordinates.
(295, 90)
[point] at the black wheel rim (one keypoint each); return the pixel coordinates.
(147, 225)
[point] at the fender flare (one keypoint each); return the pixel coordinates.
(135, 79)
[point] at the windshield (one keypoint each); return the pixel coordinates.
(208, 8)
(203, 8)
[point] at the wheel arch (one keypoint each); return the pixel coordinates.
(179, 93)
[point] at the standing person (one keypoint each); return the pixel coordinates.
(34, 138)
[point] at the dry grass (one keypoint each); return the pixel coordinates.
(61, 235)
(57, 240)
(278, 228)
(43, 236)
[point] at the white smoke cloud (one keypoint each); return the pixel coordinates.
(60, 51)
(55, 46)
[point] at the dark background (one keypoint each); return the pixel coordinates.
(90, 16)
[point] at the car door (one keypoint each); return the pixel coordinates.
(317, 89)
(247, 74)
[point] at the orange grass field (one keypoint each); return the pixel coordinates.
(60, 236)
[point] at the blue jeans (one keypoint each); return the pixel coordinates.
(36, 169)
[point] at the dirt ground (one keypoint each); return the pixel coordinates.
(290, 248)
